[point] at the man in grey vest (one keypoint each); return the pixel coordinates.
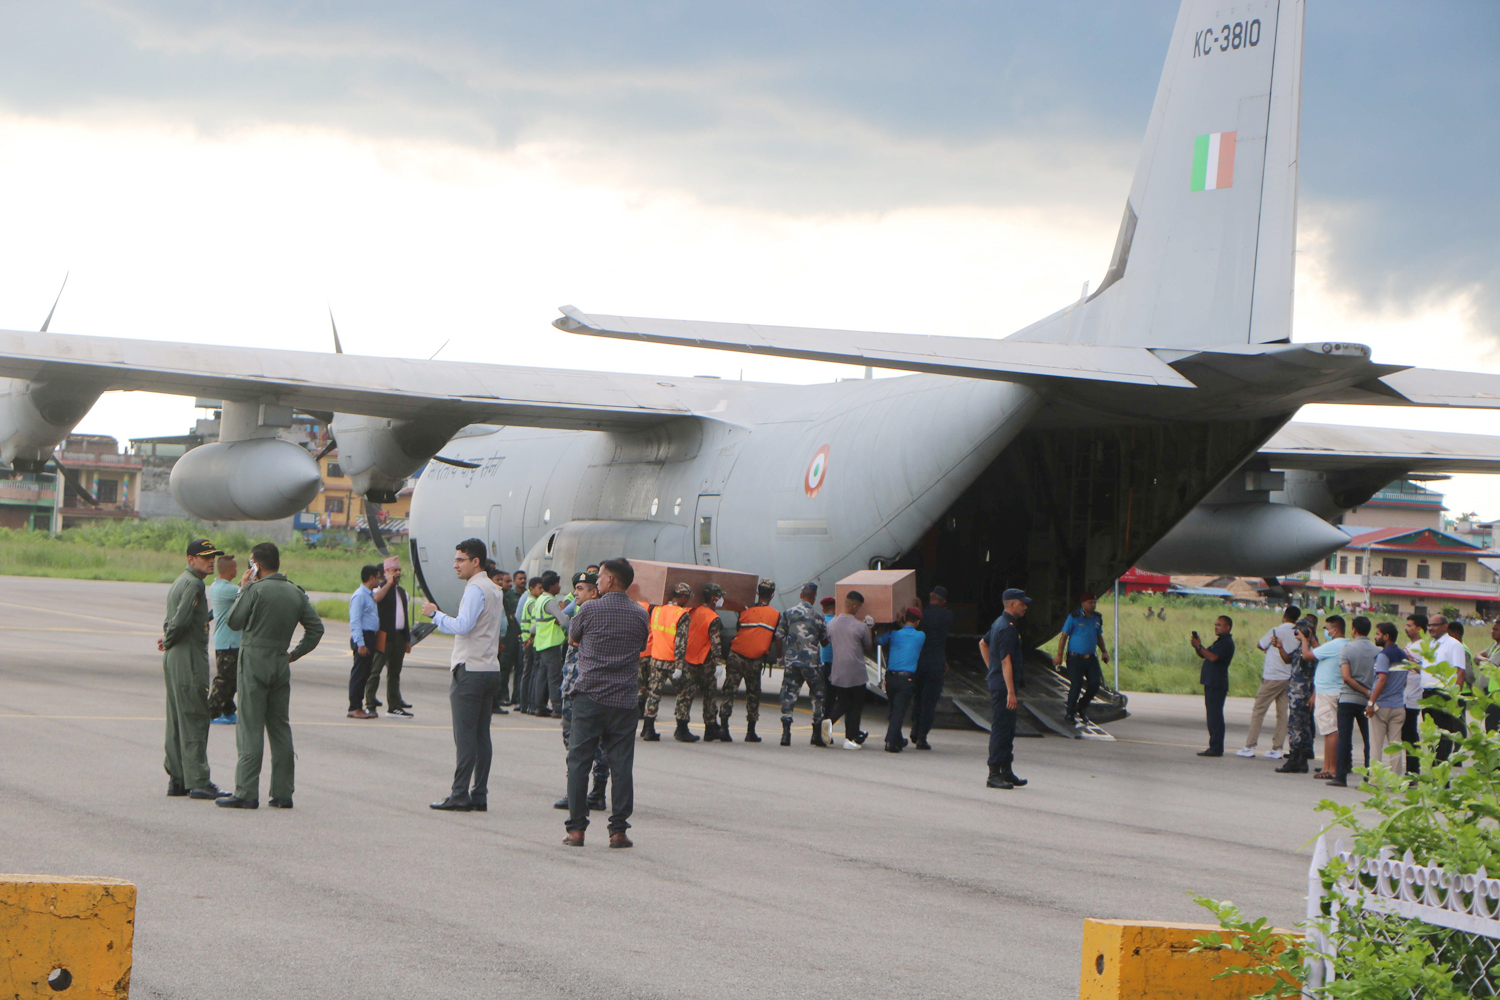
(476, 675)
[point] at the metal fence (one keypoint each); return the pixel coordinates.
(1379, 897)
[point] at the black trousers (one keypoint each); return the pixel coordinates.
(546, 678)
(1084, 674)
(471, 697)
(1447, 722)
(1213, 705)
(1349, 716)
(1002, 729)
(598, 727)
(848, 704)
(899, 687)
(510, 664)
(526, 661)
(359, 674)
(927, 688)
(1410, 733)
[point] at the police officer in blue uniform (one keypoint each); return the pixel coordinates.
(1083, 640)
(1001, 650)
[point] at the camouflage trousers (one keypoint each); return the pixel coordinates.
(741, 669)
(226, 677)
(1300, 716)
(792, 679)
(643, 684)
(688, 687)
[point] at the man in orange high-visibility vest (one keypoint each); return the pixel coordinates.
(704, 651)
(749, 654)
(667, 648)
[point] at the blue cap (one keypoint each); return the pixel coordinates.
(1015, 594)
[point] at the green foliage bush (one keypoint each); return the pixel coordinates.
(1447, 815)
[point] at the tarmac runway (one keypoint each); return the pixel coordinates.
(759, 871)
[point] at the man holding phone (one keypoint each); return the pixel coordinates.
(1214, 676)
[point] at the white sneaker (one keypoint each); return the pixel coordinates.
(850, 745)
(828, 732)
(1273, 755)
(1245, 752)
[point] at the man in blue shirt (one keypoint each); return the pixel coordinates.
(1001, 651)
(905, 645)
(1328, 681)
(1083, 637)
(927, 686)
(226, 642)
(1214, 676)
(364, 622)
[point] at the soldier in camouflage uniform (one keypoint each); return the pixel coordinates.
(750, 651)
(800, 635)
(702, 657)
(1299, 698)
(668, 635)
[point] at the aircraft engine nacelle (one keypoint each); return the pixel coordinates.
(36, 416)
(379, 454)
(1245, 539)
(262, 479)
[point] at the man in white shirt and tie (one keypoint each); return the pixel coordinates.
(475, 683)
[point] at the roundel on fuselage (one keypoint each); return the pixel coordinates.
(817, 471)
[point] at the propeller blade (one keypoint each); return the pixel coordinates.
(71, 475)
(457, 463)
(440, 349)
(48, 321)
(338, 348)
(372, 511)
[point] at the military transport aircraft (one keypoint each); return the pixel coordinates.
(1145, 422)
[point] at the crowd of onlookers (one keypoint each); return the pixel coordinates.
(1332, 678)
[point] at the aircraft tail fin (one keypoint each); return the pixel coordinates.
(1204, 254)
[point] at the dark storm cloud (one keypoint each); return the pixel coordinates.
(824, 107)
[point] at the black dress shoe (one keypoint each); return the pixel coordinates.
(285, 803)
(922, 745)
(892, 748)
(175, 791)
(1210, 753)
(501, 711)
(208, 791)
(544, 713)
(561, 803)
(479, 807)
(448, 805)
(235, 802)
(1336, 783)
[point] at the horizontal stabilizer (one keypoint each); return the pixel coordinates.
(971, 357)
(1337, 448)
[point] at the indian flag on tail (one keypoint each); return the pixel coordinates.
(1213, 161)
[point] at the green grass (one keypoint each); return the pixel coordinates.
(1156, 656)
(152, 552)
(332, 607)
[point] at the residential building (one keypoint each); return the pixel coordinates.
(1402, 504)
(1402, 570)
(27, 500)
(1474, 531)
(113, 479)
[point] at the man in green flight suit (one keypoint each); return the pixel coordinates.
(184, 646)
(268, 611)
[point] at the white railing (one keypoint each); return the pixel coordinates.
(1400, 887)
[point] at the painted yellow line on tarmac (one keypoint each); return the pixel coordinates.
(70, 614)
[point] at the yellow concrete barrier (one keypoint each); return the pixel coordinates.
(1152, 960)
(65, 937)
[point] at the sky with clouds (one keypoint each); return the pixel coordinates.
(453, 171)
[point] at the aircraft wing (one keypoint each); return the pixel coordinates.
(971, 357)
(1112, 382)
(384, 387)
(1337, 448)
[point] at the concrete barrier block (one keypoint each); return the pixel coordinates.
(65, 937)
(1153, 960)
